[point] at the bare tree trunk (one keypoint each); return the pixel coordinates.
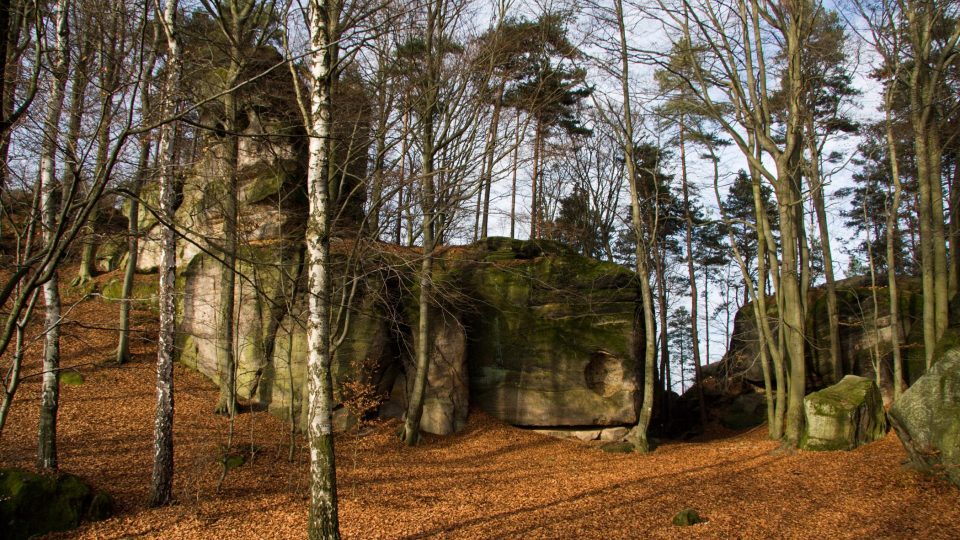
(161, 486)
(638, 436)
(323, 521)
(892, 218)
(50, 389)
(490, 152)
(133, 247)
(816, 193)
(513, 187)
(691, 273)
(411, 426)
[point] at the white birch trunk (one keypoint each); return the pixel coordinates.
(50, 389)
(323, 520)
(161, 490)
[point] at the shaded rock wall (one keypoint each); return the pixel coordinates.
(864, 346)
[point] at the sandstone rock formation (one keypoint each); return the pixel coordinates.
(927, 415)
(844, 416)
(865, 346)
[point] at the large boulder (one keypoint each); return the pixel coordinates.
(33, 504)
(927, 415)
(844, 416)
(447, 399)
(554, 337)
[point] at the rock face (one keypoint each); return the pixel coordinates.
(864, 347)
(844, 416)
(554, 340)
(530, 332)
(927, 415)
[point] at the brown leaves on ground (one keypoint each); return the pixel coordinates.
(490, 481)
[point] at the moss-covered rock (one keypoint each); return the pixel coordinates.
(865, 336)
(143, 292)
(927, 415)
(687, 517)
(33, 504)
(844, 416)
(553, 340)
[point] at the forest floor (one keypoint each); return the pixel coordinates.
(490, 481)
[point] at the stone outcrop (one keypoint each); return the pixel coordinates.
(927, 415)
(554, 338)
(864, 346)
(532, 333)
(844, 416)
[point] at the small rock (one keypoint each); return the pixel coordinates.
(585, 435)
(621, 447)
(614, 434)
(687, 517)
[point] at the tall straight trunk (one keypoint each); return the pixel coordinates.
(10, 28)
(513, 186)
(892, 214)
(227, 402)
(323, 520)
(792, 313)
(411, 426)
(660, 270)
(133, 217)
(108, 82)
(941, 275)
(133, 247)
(924, 83)
(490, 154)
(50, 388)
(638, 436)
(403, 171)
(535, 182)
(771, 349)
(692, 275)
(816, 193)
(161, 484)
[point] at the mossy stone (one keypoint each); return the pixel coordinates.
(927, 415)
(844, 416)
(34, 504)
(618, 447)
(71, 378)
(687, 517)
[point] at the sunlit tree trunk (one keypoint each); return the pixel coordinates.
(323, 521)
(161, 487)
(50, 389)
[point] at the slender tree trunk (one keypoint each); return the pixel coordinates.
(323, 520)
(161, 487)
(535, 183)
(691, 273)
(133, 247)
(490, 152)
(816, 192)
(411, 427)
(513, 186)
(227, 401)
(50, 389)
(892, 219)
(638, 436)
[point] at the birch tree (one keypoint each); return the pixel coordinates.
(161, 486)
(323, 18)
(50, 390)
